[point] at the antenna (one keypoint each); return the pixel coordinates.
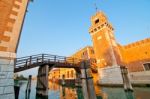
(96, 8)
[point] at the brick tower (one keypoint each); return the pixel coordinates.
(106, 50)
(12, 13)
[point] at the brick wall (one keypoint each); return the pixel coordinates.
(11, 18)
(134, 55)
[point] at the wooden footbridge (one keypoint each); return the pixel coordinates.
(46, 62)
(54, 61)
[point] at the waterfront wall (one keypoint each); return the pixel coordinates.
(6, 75)
(140, 77)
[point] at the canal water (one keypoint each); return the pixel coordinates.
(59, 92)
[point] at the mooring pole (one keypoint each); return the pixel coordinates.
(78, 80)
(87, 81)
(28, 89)
(126, 79)
(63, 80)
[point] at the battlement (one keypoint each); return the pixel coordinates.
(138, 43)
(98, 22)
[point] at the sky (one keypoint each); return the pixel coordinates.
(60, 27)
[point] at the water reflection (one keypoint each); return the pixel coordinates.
(65, 92)
(129, 95)
(61, 92)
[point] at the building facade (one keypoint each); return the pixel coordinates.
(86, 53)
(107, 56)
(111, 56)
(12, 14)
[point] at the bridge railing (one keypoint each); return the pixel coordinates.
(43, 58)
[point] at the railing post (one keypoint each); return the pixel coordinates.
(37, 60)
(30, 59)
(15, 61)
(26, 62)
(54, 58)
(42, 58)
(65, 60)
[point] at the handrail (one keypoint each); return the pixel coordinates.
(25, 62)
(41, 58)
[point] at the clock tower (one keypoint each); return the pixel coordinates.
(106, 50)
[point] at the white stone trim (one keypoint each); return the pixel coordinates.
(15, 9)
(7, 54)
(4, 44)
(99, 38)
(97, 31)
(13, 16)
(6, 33)
(17, 2)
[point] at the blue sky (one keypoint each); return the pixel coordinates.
(61, 26)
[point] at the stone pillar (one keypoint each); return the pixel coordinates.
(6, 75)
(42, 82)
(87, 81)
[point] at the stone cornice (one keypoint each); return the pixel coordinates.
(9, 55)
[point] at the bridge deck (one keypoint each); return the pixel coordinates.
(25, 63)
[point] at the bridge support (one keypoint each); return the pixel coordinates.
(42, 82)
(87, 81)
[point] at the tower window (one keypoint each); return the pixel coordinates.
(96, 21)
(147, 66)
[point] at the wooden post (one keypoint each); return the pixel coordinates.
(126, 79)
(87, 81)
(17, 89)
(63, 80)
(30, 60)
(28, 89)
(42, 82)
(78, 80)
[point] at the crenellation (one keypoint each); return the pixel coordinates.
(138, 43)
